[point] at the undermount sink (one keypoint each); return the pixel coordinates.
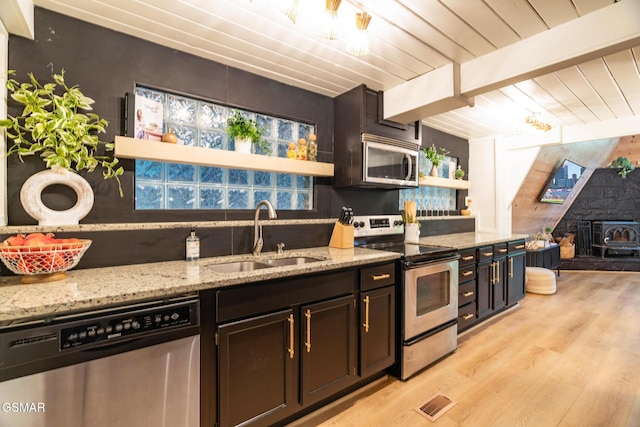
(238, 266)
(277, 262)
(250, 265)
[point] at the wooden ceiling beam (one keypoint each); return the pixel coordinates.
(605, 31)
(17, 17)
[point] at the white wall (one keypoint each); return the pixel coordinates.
(482, 175)
(4, 64)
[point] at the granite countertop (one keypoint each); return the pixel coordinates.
(100, 287)
(469, 240)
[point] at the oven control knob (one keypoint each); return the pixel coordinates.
(397, 223)
(361, 224)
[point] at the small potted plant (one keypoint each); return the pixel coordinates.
(624, 165)
(435, 156)
(57, 124)
(245, 132)
(459, 173)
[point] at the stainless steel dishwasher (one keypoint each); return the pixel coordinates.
(132, 366)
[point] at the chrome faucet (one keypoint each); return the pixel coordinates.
(257, 229)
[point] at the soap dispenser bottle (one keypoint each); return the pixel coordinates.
(193, 246)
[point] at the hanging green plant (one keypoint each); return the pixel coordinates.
(624, 165)
(56, 124)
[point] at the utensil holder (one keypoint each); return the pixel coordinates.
(342, 236)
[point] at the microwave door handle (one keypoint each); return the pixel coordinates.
(409, 168)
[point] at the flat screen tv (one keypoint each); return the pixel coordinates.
(562, 182)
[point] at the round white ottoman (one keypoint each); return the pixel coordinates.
(540, 281)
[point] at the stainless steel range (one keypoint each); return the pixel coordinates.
(428, 293)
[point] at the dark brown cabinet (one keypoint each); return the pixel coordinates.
(547, 257)
(492, 294)
(284, 345)
(515, 272)
(256, 369)
(467, 309)
(377, 325)
(359, 111)
(327, 348)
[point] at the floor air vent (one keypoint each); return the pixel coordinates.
(436, 407)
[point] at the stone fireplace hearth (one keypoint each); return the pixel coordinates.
(604, 197)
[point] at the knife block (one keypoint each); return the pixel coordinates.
(342, 236)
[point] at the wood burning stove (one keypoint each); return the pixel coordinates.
(616, 238)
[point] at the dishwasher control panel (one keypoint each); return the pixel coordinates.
(111, 328)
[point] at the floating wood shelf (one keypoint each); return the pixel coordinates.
(130, 148)
(433, 181)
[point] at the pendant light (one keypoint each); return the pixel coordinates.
(289, 8)
(359, 44)
(330, 26)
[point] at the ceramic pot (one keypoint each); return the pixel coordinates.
(434, 171)
(242, 145)
(31, 197)
(411, 233)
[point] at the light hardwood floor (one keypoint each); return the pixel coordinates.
(569, 359)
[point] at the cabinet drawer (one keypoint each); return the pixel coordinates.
(485, 253)
(466, 315)
(466, 293)
(377, 276)
(466, 273)
(467, 256)
(515, 246)
(499, 249)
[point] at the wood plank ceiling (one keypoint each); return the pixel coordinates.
(408, 38)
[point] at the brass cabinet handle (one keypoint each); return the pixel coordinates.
(494, 267)
(519, 246)
(502, 250)
(487, 253)
(380, 276)
(291, 337)
(510, 267)
(467, 316)
(467, 294)
(307, 344)
(366, 314)
(468, 257)
(467, 273)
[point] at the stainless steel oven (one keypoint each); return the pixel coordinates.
(388, 162)
(429, 312)
(428, 293)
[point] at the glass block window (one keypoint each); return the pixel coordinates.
(163, 185)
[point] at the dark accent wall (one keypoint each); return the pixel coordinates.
(105, 65)
(606, 196)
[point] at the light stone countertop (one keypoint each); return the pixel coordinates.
(101, 287)
(469, 240)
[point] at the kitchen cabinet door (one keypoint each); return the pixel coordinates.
(257, 359)
(499, 292)
(328, 348)
(377, 330)
(515, 277)
(485, 288)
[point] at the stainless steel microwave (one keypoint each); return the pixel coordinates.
(389, 162)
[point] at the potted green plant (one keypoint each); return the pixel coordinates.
(459, 173)
(624, 164)
(435, 156)
(245, 132)
(57, 124)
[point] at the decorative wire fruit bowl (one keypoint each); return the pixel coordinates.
(43, 263)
